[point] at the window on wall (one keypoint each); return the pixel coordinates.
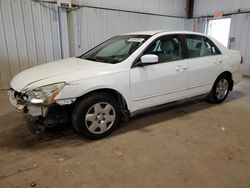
(219, 29)
(200, 46)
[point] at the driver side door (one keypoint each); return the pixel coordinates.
(162, 82)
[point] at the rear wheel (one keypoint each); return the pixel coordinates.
(96, 116)
(220, 89)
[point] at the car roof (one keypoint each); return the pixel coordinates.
(150, 32)
(153, 32)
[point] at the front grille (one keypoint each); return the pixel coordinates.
(17, 94)
(19, 97)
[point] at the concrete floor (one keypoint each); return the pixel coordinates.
(193, 145)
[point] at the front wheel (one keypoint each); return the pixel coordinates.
(220, 90)
(96, 116)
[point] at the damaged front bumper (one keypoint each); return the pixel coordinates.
(13, 98)
(40, 116)
(21, 105)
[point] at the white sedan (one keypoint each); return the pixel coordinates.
(124, 75)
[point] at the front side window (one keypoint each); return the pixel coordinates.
(115, 49)
(167, 48)
(199, 46)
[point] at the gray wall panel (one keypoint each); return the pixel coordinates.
(205, 7)
(29, 32)
(91, 26)
(240, 30)
(10, 37)
(166, 7)
(4, 61)
(55, 32)
(33, 33)
(18, 22)
(64, 33)
(197, 25)
(47, 33)
(29, 35)
(38, 31)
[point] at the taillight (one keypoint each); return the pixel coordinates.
(241, 60)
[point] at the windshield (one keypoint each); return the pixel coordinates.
(115, 49)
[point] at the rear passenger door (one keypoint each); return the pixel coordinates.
(204, 64)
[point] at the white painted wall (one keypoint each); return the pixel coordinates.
(90, 26)
(31, 33)
(29, 36)
(166, 7)
(240, 30)
(205, 7)
(197, 25)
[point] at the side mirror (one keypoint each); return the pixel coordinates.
(149, 59)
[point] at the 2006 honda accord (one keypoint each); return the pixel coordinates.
(123, 75)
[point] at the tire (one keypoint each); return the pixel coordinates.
(220, 90)
(96, 115)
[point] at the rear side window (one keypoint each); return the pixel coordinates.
(199, 46)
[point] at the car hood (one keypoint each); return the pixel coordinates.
(55, 69)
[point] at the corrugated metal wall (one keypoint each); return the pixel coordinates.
(240, 30)
(30, 31)
(197, 25)
(205, 7)
(29, 35)
(90, 26)
(166, 7)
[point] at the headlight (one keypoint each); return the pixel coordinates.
(45, 94)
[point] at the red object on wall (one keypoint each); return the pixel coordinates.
(218, 14)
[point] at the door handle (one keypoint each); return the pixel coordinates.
(217, 61)
(178, 68)
(181, 68)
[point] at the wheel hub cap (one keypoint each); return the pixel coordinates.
(222, 88)
(100, 118)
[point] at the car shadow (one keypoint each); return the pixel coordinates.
(173, 111)
(14, 134)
